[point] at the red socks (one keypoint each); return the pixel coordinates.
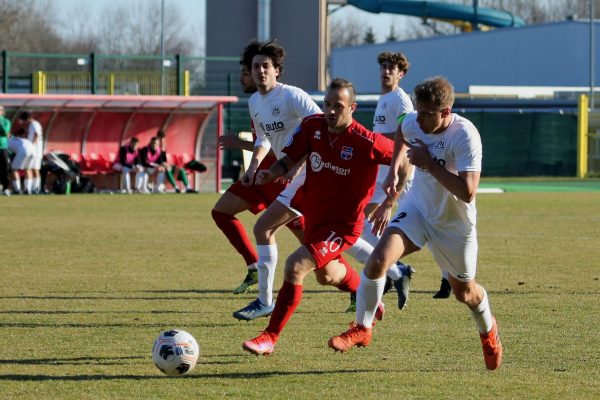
(287, 300)
(235, 232)
(351, 280)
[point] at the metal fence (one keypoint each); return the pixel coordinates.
(186, 75)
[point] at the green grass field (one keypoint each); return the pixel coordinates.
(90, 280)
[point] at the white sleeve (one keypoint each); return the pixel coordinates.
(468, 152)
(303, 105)
(261, 138)
(405, 105)
(262, 142)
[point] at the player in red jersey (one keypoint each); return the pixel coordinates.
(239, 198)
(342, 157)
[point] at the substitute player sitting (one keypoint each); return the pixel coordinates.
(342, 162)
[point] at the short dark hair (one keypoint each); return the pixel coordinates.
(437, 90)
(161, 134)
(25, 115)
(271, 49)
(134, 140)
(397, 59)
(341, 83)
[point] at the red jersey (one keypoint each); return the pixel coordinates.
(341, 170)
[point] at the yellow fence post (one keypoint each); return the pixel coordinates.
(111, 84)
(186, 83)
(582, 136)
(39, 82)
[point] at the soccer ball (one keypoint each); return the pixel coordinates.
(175, 352)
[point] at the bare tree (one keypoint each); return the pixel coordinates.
(133, 27)
(347, 32)
(25, 28)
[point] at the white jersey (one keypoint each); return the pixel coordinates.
(35, 131)
(20, 145)
(389, 107)
(458, 149)
(277, 114)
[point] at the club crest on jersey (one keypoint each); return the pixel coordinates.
(318, 135)
(324, 250)
(440, 144)
(276, 111)
(346, 152)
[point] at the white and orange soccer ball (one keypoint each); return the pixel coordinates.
(175, 352)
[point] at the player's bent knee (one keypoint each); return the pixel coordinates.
(296, 268)
(323, 277)
(376, 266)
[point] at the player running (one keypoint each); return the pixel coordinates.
(276, 111)
(438, 211)
(239, 198)
(342, 160)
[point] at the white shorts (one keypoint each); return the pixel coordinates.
(454, 248)
(379, 195)
(287, 195)
(23, 160)
(37, 160)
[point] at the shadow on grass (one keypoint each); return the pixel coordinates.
(60, 312)
(240, 375)
(72, 361)
(104, 325)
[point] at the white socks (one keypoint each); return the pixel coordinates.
(17, 185)
(252, 267)
(267, 262)
(361, 250)
(368, 297)
(126, 179)
(482, 314)
(367, 233)
(394, 272)
(139, 180)
(28, 185)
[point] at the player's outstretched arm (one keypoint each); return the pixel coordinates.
(258, 154)
(235, 142)
(279, 168)
(293, 172)
(399, 166)
(383, 213)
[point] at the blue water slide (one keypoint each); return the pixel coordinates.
(440, 10)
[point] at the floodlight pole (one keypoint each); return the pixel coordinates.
(162, 47)
(592, 66)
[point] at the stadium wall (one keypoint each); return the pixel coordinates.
(553, 54)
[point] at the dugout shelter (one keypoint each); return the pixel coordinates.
(91, 128)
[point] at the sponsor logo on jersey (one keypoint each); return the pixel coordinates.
(318, 135)
(379, 119)
(346, 152)
(317, 164)
(275, 126)
(276, 111)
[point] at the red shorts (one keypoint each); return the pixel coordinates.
(328, 244)
(258, 196)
